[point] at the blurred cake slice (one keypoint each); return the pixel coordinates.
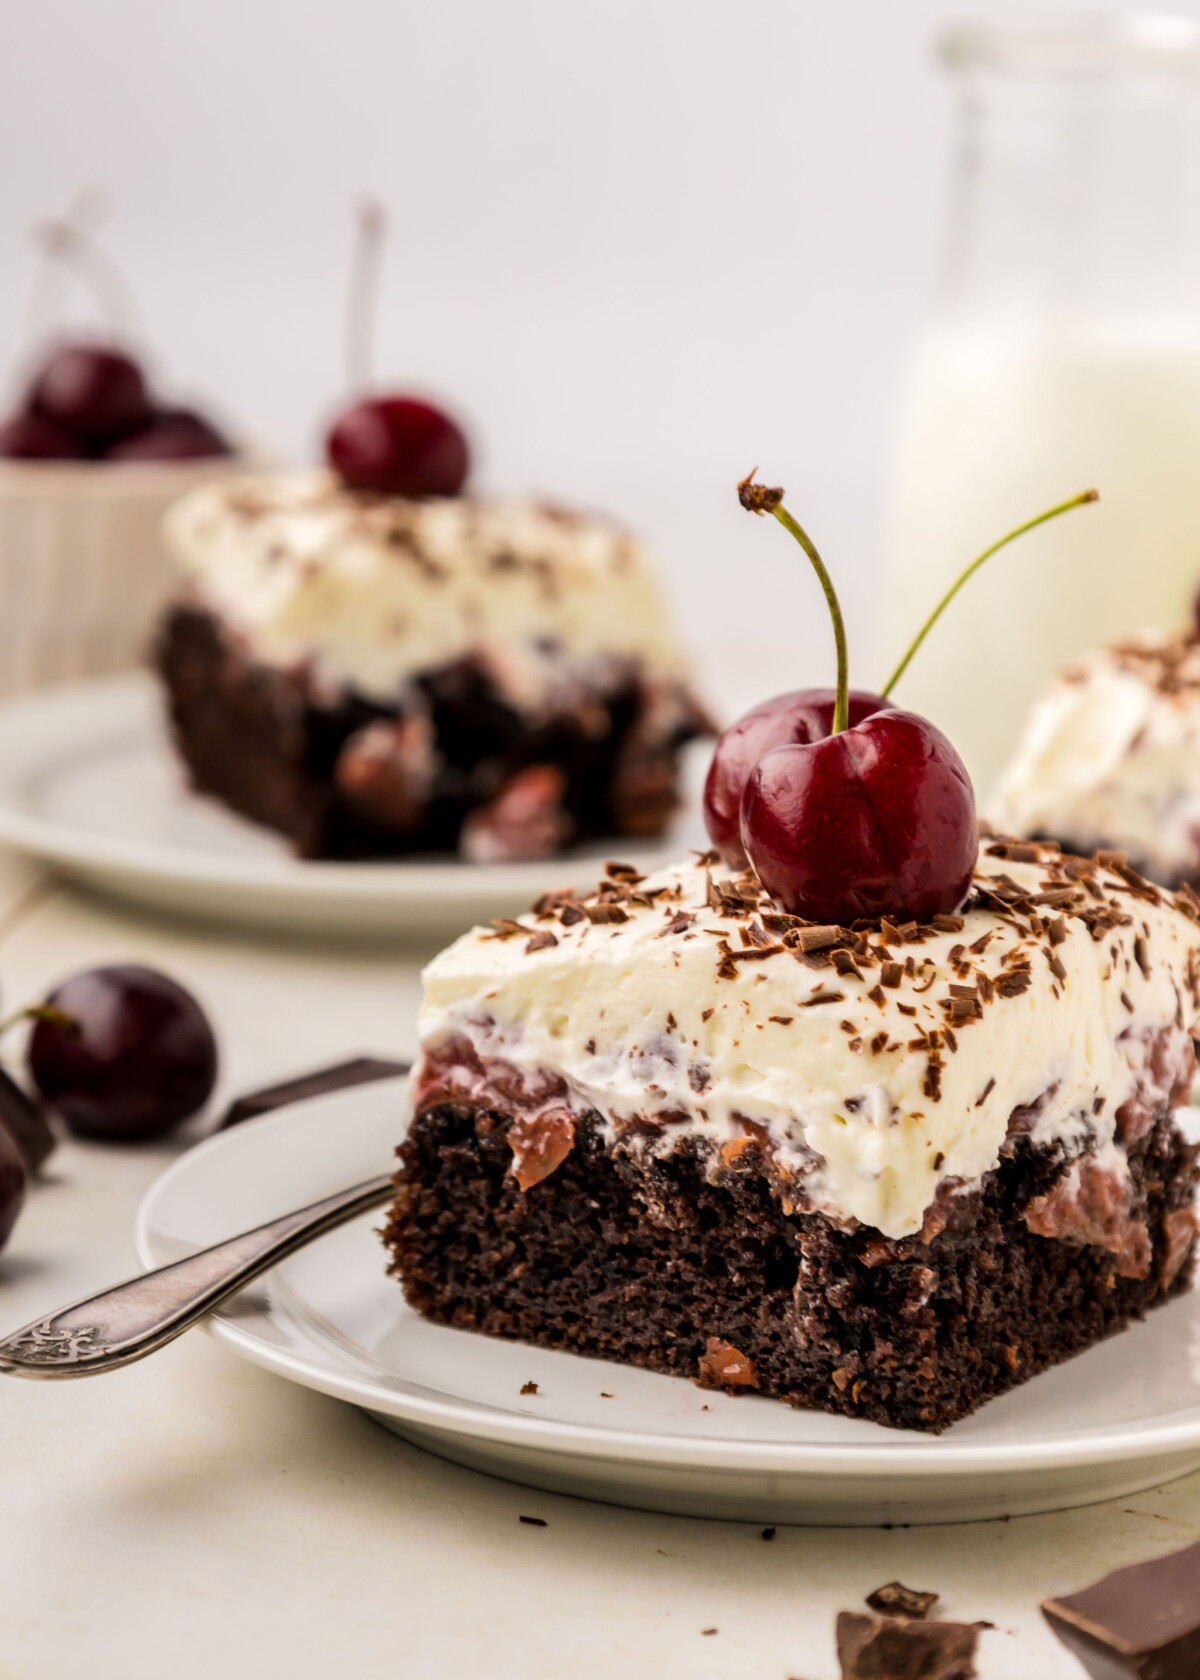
(1110, 758)
(371, 675)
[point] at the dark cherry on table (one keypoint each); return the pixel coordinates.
(125, 1055)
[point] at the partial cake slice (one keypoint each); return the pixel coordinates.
(372, 675)
(888, 1171)
(1110, 757)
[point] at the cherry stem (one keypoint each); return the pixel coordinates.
(71, 240)
(1083, 497)
(841, 708)
(41, 1012)
(362, 293)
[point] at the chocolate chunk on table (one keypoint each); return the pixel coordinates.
(1143, 1620)
(359, 1070)
(874, 1647)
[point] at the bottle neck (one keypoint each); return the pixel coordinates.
(1076, 198)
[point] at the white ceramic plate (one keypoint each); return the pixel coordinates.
(89, 784)
(1122, 1417)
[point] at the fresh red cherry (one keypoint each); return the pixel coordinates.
(13, 1179)
(31, 437)
(878, 820)
(877, 817)
(173, 434)
(398, 446)
(802, 716)
(93, 391)
(123, 1053)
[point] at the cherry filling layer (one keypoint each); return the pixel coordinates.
(1092, 1203)
(543, 1123)
(1164, 1064)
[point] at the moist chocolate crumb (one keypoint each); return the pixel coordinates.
(529, 1388)
(895, 1599)
(722, 1365)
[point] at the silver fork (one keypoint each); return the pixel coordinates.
(118, 1326)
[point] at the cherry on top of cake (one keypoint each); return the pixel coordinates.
(845, 806)
(89, 399)
(390, 442)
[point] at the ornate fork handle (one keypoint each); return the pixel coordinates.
(106, 1331)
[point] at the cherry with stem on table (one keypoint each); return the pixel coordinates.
(122, 1053)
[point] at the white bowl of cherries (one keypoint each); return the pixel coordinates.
(90, 459)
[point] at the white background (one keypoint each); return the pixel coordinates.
(641, 245)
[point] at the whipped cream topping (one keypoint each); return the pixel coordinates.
(876, 1066)
(1111, 757)
(371, 591)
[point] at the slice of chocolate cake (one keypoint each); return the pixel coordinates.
(373, 676)
(884, 1170)
(1111, 757)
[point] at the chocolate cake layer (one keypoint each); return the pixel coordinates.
(659, 1262)
(457, 767)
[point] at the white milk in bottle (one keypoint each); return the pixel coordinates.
(1065, 354)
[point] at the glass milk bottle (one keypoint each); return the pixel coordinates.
(1064, 353)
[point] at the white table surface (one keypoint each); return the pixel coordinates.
(196, 1517)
